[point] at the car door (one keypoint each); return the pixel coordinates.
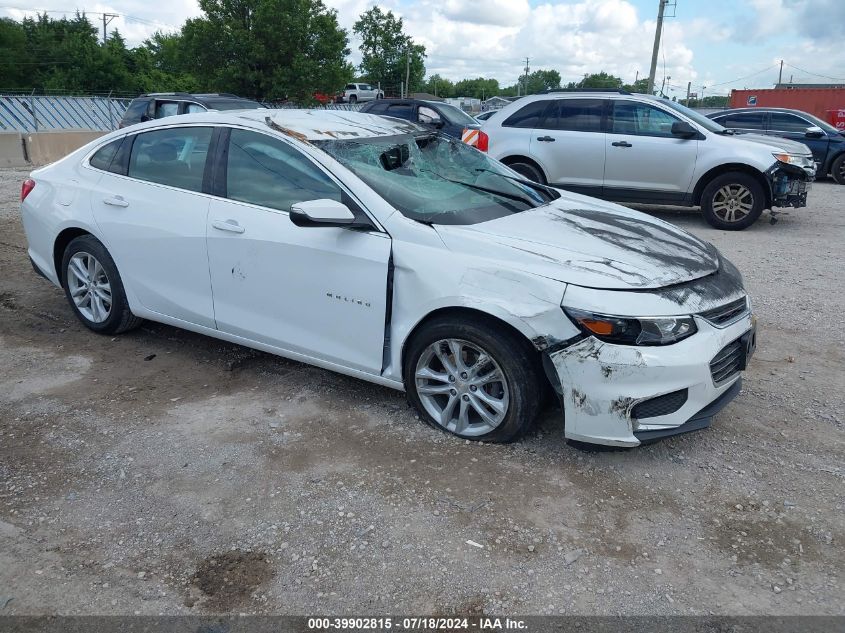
(152, 214)
(316, 291)
(569, 144)
(644, 159)
(794, 127)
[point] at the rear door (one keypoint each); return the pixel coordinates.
(316, 291)
(795, 127)
(569, 144)
(644, 159)
(752, 122)
(152, 215)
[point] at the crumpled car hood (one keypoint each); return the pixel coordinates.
(586, 242)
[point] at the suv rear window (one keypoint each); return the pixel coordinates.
(529, 116)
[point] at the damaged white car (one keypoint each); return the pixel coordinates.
(376, 248)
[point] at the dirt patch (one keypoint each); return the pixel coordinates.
(8, 301)
(228, 580)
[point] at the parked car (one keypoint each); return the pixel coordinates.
(825, 141)
(639, 148)
(158, 105)
(443, 116)
(357, 93)
(376, 248)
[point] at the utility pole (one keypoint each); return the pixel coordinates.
(689, 85)
(107, 18)
(657, 33)
(408, 71)
(527, 68)
(780, 73)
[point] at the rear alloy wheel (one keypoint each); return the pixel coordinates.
(529, 171)
(353, 98)
(732, 201)
(475, 380)
(93, 287)
(837, 170)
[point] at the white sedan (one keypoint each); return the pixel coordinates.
(379, 249)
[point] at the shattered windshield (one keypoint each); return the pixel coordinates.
(437, 179)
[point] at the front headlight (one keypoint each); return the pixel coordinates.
(628, 331)
(794, 159)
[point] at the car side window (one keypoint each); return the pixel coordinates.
(427, 115)
(102, 158)
(136, 110)
(744, 120)
(174, 157)
(576, 115)
(529, 116)
(641, 119)
(785, 122)
(166, 108)
(351, 87)
(400, 111)
(268, 172)
(194, 108)
(378, 107)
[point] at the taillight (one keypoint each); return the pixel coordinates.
(483, 142)
(27, 186)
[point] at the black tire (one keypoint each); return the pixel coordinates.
(837, 170)
(529, 171)
(517, 360)
(380, 95)
(733, 180)
(353, 98)
(120, 317)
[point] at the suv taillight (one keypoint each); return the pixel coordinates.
(483, 143)
(27, 186)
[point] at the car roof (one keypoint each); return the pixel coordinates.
(760, 109)
(303, 125)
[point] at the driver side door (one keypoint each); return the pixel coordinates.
(319, 292)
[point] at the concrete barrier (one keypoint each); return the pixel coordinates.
(11, 150)
(50, 146)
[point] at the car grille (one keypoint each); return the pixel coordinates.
(661, 405)
(726, 313)
(727, 362)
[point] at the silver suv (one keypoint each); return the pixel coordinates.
(355, 93)
(638, 148)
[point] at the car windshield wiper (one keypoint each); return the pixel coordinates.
(495, 192)
(528, 183)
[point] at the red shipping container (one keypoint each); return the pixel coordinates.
(837, 119)
(817, 101)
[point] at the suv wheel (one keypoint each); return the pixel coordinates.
(837, 170)
(732, 201)
(353, 98)
(529, 171)
(475, 380)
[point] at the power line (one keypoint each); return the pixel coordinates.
(725, 83)
(807, 72)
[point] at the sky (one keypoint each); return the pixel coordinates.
(720, 44)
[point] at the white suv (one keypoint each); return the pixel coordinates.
(638, 148)
(355, 93)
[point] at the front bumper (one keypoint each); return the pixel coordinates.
(789, 184)
(601, 384)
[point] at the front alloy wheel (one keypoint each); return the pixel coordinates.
(733, 202)
(462, 387)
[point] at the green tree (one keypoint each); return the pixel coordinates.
(15, 62)
(600, 81)
(268, 49)
(439, 86)
(479, 88)
(387, 52)
(640, 85)
(538, 81)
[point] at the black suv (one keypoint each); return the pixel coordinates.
(825, 141)
(158, 105)
(442, 116)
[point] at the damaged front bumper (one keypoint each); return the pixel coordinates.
(789, 184)
(621, 395)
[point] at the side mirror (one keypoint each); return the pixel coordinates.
(814, 132)
(683, 129)
(323, 212)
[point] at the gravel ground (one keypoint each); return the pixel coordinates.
(165, 472)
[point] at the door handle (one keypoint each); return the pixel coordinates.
(545, 139)
(621, 144)
(228, 225)
(116, 201)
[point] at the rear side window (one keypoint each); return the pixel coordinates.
(174, 157)
(166, 108)
(265, 171)
(744, 120)
(576, 115)
(102, 158)
(785, 122)
(400, 111)
(193, 108)
(529, 116)
(351, 87)
(641, 119)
